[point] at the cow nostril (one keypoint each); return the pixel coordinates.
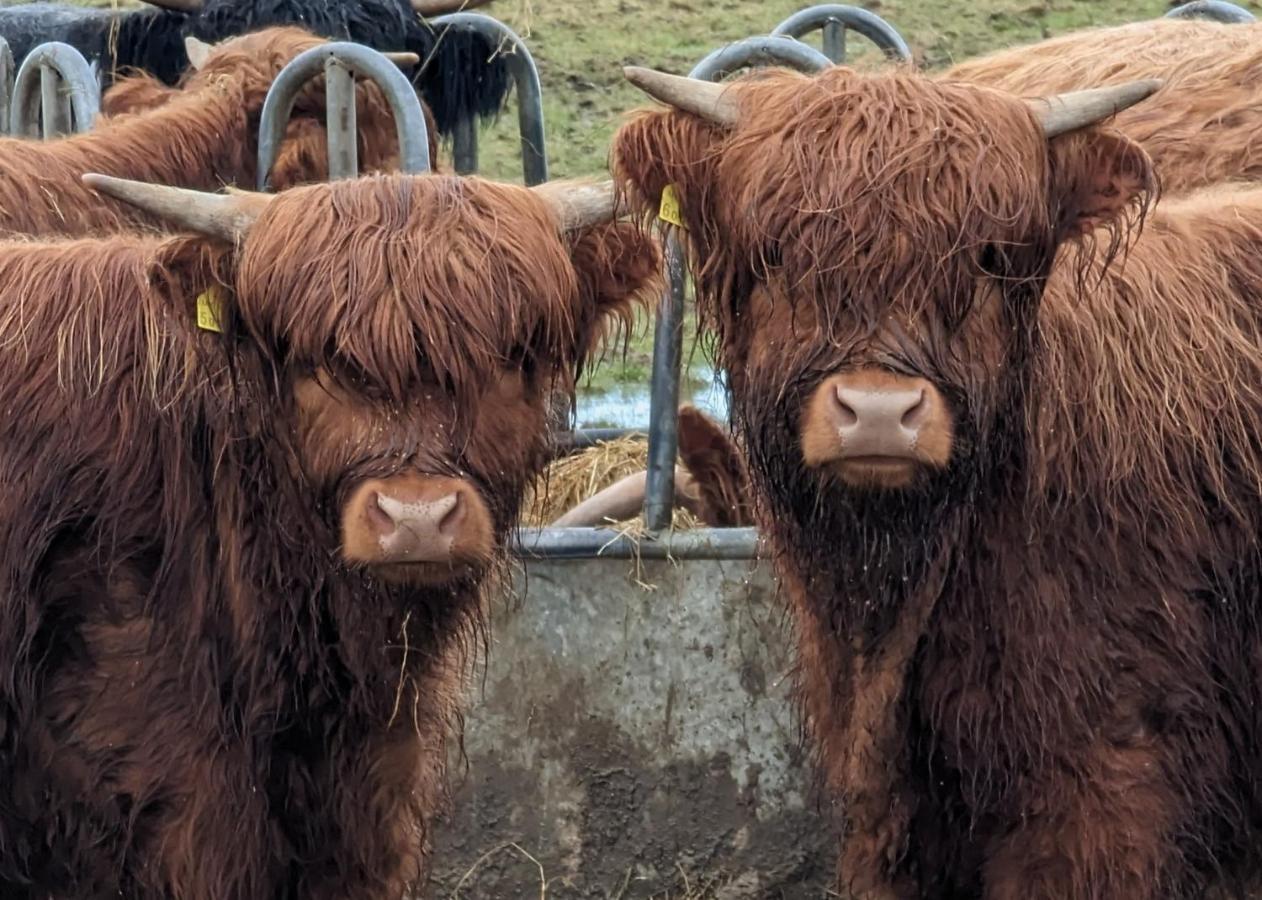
(911, 418)
(846, 414)
(449, 518)
(378, 516)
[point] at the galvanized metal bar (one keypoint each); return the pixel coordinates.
(668, 341)
(343, 131)
(659, 488)
(74, 86)
(1216, 10)
(534, 150)
(464, 146)
(53, 108)
(606, 543)
(774, 50)
(867, 23)
(581, 439)
(834, 44)
(6, 85)
(364, 62)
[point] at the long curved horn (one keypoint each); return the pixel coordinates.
(714, 102)
(225, 216)
(1069, 112)
(579, 204)
(184, 6)
(430, 8)
(403, 59)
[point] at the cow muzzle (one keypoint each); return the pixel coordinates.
(417, 528)
(876, 429)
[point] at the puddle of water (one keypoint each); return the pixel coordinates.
(627, 406)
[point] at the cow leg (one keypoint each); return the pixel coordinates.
(1100, 833)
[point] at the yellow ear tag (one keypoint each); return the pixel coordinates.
(671, 210)
(209, 310)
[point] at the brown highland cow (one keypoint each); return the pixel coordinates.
(205, 136)
(1015, 506)
(1200, 129)
(244, 538)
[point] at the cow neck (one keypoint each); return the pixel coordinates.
(210, 135)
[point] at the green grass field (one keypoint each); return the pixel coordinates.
(581, 45)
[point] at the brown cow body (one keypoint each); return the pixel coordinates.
(1200, 129)
(1015, 506)
(227, 674)
(204, 136)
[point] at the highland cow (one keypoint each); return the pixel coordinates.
(1200, 129)
(461, 74)
(1004, 446)
(244, 539)
(205, 138)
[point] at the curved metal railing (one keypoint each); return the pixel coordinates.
(1218, 10)
(521, 64)
(834, 19)
(55, 86)
(340, 62)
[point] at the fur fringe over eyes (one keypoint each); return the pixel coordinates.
(405, 278)
(892, 203)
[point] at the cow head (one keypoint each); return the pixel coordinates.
(417, 328)
(870, 253)
(244, 68)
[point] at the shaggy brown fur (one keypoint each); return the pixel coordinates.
(205, 138)
(198, 698)
(1034, 673)
(141, 92)
(718, 474)
(1201, 128)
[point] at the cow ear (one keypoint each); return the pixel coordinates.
(1098, 177)
(619, 269)
(198, 52)
(197, 274)
(667, 152)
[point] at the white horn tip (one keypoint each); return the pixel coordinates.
(403, 58)
(97, 182)
(637, 75)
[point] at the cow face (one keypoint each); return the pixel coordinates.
(870, 255)
(418, 329)
(424, 489)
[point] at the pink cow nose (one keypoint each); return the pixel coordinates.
(413, 529)
(879, 422)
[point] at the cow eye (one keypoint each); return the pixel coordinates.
(990, 261)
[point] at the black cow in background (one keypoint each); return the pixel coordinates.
(461, 74)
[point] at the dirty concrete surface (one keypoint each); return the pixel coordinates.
(629, 742)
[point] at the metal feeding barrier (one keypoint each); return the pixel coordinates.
(659, 497)
(340, 62)
(834, 19)
(1217, 10)
(6, 84)
(55, 86)
(521, 64)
